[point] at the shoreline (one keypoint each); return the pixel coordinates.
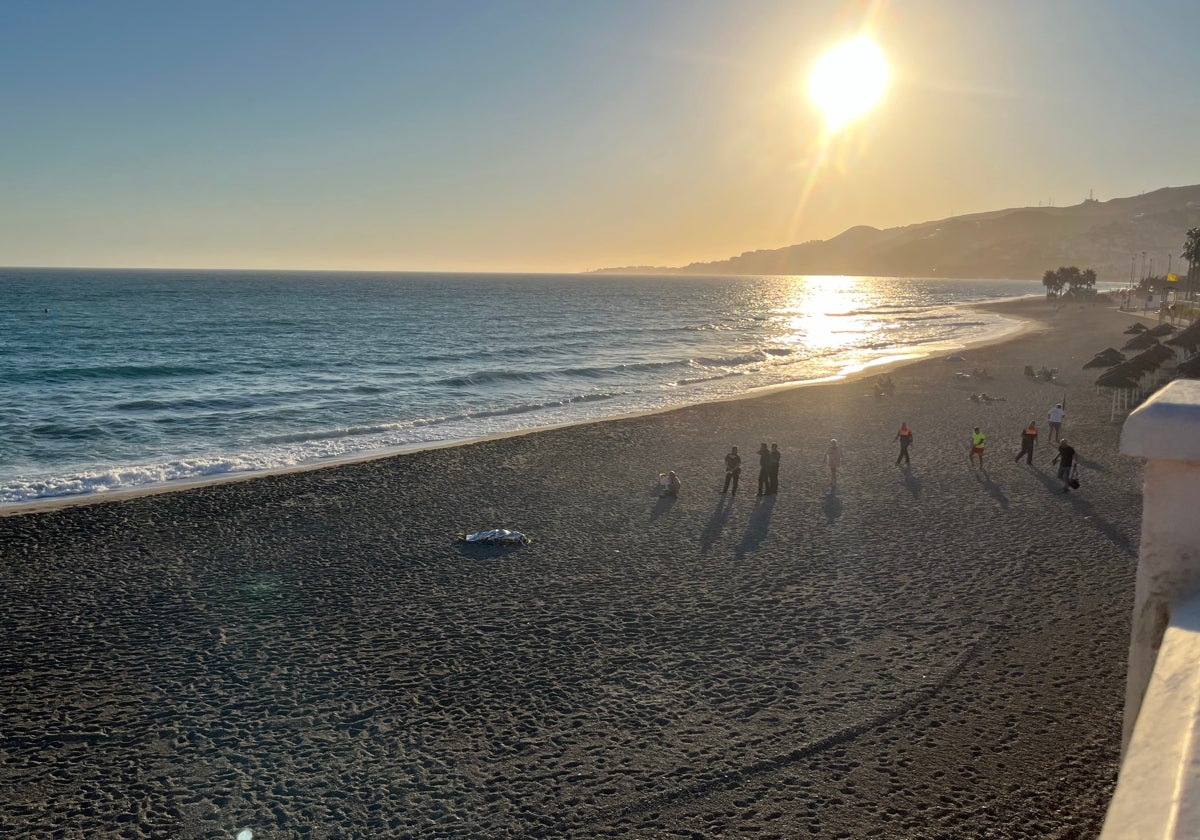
(852, 373)
(920, 651)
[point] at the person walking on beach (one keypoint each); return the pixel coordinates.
(833, 460)
(905, 437)
(1066, 462)
(978, 442)
(1028, 439)
(773, 475)
(733, 471)
(764, 469)
(673, 484)
(1056, 415)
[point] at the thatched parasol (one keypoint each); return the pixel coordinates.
(1140, 342)
(1117, 379)
(1149, 359)
(1191, 368)
(1161, 330)
(1106, 358)
(1126, 378)
(1124, 384)
(1135, 328)
(1188, 337)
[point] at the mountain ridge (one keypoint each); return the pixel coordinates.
(1109, 237)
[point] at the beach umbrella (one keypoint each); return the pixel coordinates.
(1158, 353)
(1190, 369)
(1127, 378)
(1161, 330)
(1135, 328)
(1188, 337)
(1106, 358)
(1124, 384)
(1140, 342)
(1117, 379)
(1152, 358)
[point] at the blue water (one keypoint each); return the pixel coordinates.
(121, 379)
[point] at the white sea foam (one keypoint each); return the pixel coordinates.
(259, 373)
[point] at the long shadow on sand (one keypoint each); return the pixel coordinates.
(664, 504)
(832, 505)
(716, 523)
(757, 527)
(992, 488)
(911, 483)
(1084, 508)
(1090, 465)
(773, 763)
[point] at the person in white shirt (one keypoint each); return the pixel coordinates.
(1056, 415)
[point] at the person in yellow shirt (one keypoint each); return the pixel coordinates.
(978, 441)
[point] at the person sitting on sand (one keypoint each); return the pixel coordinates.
(673, 484)
(833, 460)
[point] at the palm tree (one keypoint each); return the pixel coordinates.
(1053, 283)
(1191, 253)
(1069, 276)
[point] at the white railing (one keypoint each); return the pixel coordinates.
(1158, 791)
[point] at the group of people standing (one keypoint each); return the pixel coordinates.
(769, 457)
(768, 470)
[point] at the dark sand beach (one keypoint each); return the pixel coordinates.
(933, 653)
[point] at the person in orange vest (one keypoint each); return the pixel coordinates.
(905, 437)
(978, 441)
(1028, 439)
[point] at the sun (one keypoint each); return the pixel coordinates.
(848, 80)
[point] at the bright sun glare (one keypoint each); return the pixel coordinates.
(848, 80)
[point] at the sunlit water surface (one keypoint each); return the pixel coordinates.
(120, 379)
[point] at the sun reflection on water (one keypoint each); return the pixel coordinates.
(821, 314)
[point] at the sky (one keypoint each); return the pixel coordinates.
(560, 135)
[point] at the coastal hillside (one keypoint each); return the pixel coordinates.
(1107, 236)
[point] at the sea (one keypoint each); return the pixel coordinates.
(115, 380)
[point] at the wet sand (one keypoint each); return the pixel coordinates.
(934, 652)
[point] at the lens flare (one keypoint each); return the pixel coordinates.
(848, 81)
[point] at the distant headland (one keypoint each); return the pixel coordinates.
(1107, 236)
